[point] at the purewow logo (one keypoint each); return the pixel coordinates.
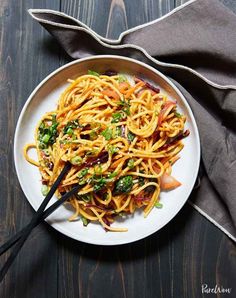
(215, 290)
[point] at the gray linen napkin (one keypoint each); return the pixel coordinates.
(194, 45)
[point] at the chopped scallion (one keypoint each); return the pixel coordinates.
(112, 175)
(45, 138)
(82, 173)
(158, 205)
(107, 133)
(178, 115)
(130, 136)
(93, 73)
(44, 189)
(122, 78)
(130, 163)
(112, 149)
(116, 117)
(85, 221)
(76, 160)
(86, 197)
(70, 131)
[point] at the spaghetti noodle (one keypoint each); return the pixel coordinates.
(121, 138)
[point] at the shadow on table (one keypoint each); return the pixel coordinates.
(83, 257)
(132, 251)
(52, 49)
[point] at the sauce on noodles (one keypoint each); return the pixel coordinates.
(121, 138)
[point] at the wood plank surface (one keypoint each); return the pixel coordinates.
(174, 262)
(24, 48)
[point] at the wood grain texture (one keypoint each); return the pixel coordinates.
(174, 262)
(22, 67)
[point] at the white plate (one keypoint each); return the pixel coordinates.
(44, 98)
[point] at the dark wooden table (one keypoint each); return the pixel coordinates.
(175, 262)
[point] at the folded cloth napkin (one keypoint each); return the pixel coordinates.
(194, 45)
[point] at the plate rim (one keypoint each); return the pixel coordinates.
(57, 226)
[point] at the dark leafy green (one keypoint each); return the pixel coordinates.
(141, 181)
(98, 183)
(86, 197)
(125, 106)
(116, 117)
(47, 133)
(123, 185)
(130, 136)
(70, 126)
